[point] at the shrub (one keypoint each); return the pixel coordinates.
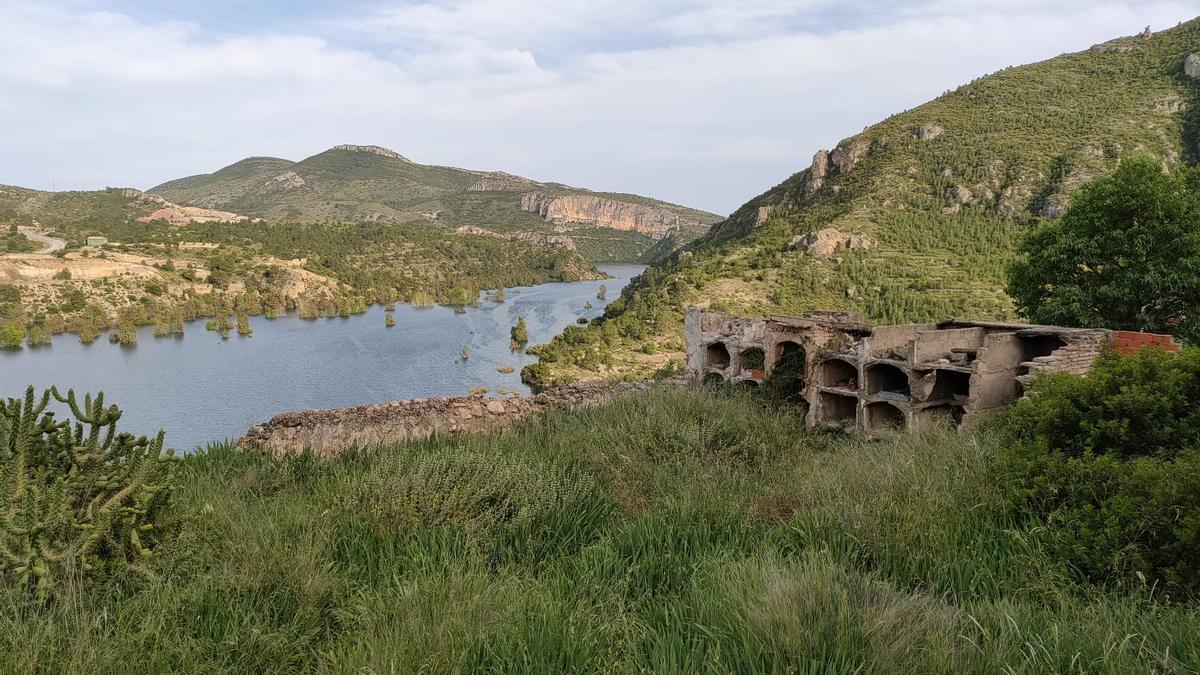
(11, 336)
(1112, 463)
(77, 496)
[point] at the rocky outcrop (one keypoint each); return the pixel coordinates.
(847, 153)
(175, 214)
(1191, 66)
(537, 238)
(287, 180)
(498, 181)
(332, 431)
(827, 241)
(927, 132)
(841, 160)
(372, 149)
(599, 211)
(817, 172)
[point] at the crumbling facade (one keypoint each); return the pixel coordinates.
(904, 377)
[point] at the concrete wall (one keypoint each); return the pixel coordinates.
(934, 345)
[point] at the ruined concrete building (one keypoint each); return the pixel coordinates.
(878, 377)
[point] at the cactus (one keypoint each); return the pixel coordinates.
(76, 495)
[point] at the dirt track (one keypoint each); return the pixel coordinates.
(52, 244)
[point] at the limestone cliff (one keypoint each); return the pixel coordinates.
(652, 221)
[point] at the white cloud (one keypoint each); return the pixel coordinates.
(706, 103)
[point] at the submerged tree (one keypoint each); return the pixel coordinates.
(519, 334)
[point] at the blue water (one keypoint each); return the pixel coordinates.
(201, 388)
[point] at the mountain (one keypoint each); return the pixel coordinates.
(100, 207)
(367, 183)
(917, 217)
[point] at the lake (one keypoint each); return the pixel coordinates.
(201, 388)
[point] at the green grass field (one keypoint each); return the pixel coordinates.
(675, 531)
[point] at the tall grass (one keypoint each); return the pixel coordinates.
(675, 531)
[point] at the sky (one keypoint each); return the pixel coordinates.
(705, 103)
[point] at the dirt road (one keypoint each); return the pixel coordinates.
(52, 245)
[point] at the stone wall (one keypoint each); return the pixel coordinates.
(906, 376)
(331, 431)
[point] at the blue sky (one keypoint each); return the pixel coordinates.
(702, 102)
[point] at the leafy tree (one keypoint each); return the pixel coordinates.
(1126, 255)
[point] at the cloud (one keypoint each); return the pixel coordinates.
(705, 103)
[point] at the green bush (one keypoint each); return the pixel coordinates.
(1112, 463)
(11, 336)
(78, 497)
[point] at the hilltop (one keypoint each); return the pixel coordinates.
(917, 217)
(367, 183)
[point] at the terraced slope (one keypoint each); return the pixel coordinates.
(917, 217)
(371, 184)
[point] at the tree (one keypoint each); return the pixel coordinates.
(1125, 255)
(519, 333)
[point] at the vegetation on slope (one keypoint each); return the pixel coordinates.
(353, 183)
(158, 273)
(676, 531)
(946, 191)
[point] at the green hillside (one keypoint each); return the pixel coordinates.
(939, 195)
(373, 184)
(84, 208)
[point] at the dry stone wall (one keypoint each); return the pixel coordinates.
(332, 431)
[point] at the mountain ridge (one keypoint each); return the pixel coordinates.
(942, 192)
(370, 183)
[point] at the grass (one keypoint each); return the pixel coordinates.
(675, 531)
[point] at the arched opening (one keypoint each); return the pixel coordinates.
(786, 382)
(887, 380)
(712, 380)
(716, 356)
(752, 362)
(838, 410)
(787, 350)
(748, 385)
(939, 415)
(838, 373)
(884, 416)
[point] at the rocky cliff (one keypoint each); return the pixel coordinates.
(653, 221)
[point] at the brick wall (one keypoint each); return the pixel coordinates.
(1127, 341)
